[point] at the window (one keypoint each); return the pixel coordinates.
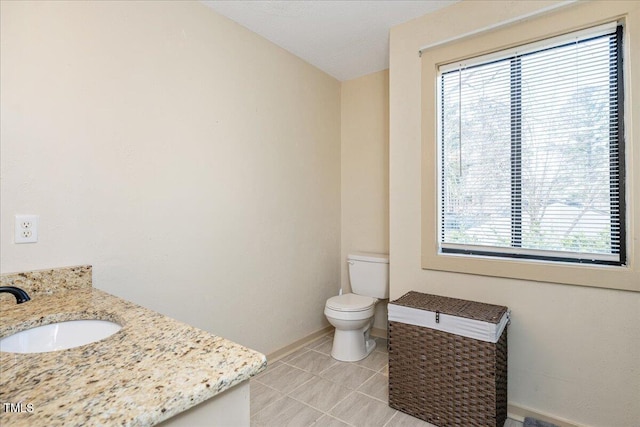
(531, 151)
(525, 240)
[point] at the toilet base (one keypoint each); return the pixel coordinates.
(352, 345)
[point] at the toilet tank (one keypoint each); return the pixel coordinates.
(369, 274)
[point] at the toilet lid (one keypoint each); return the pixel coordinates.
(350, 302)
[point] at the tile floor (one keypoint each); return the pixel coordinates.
(309, 388)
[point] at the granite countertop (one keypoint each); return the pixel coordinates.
(153, 368)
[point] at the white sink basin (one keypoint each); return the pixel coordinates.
(58, 336)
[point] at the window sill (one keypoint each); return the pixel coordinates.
(610, 277)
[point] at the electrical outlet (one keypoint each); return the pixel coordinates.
(26, 229)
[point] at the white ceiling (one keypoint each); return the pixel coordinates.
(346, 39)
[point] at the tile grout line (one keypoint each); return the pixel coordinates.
(334, 418)
(389, 423)
(277, 400)
(319, 375)
(283, 394)
(368, 395)
(348, 395)
(288, 364)
(337, 403)
(327, 411)
(336, 362)
(351, 391)
(390, 419)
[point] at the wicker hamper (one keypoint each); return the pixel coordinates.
(448, 360)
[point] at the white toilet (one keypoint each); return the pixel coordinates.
(352, 314)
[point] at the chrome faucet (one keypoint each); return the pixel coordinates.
(21, 296)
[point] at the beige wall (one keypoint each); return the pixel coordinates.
(365, 171)
(574, 351)
(195, 165)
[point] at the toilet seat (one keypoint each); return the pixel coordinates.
(350, 303)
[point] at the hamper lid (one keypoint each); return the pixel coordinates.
(471, 319)
(453, 306)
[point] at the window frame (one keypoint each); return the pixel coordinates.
(576, 18)
(514, 56)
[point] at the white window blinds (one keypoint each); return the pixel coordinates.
(531, 151)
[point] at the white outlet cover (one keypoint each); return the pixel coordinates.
(26, 229)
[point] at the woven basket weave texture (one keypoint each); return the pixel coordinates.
(443, 378)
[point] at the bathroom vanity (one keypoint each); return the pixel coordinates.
(154, 370)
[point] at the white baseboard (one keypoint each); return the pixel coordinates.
(379, 333)
(518, 413)
(285, 351)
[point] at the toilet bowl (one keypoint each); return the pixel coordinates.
(352, 315)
